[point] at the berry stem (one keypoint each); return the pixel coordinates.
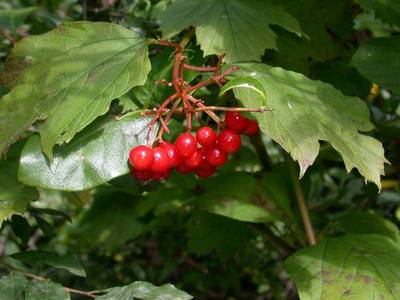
(222, 108)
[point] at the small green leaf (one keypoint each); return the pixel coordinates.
(379, 61)
(95, 156)
(386, 10)
(241, 29)
(45, 289)
(304, 111)
(353, 266)
(144, 291)
(39, 257)
(245, 83)
(68, 77)
(12, 286)
(14, 196)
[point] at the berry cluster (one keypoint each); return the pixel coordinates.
(201, 154)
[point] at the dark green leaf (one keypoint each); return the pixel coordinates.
(12, 286)
(144, 291)
(241, 29)
(97, 155)
(379, 61)
(39, 257)
(386, 10)
(21, 228)
(11, 19)
(353, 266)
(68, 77)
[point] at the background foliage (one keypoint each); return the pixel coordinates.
(75, 77)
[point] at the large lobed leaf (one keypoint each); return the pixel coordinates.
(68, 77)
(349, 267)
(240, 29)
(305, 111)
(379, 61)
(98, 154)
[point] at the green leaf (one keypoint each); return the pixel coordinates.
(116, 210)
(353, 266)
(386, 10)
(45, 289)
(379, 60)
(39, 257)
(246, 83)
(207, 232)
(305, 111)
(144, 291)
(240, 29)
(14, 196)
(234, 196)
(11, 19)
(68, 77)
(95, 156)
(358, 222)
(12, 286)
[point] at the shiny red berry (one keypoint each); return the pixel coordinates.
(229, 141)
(205, 170)
(182, 168)
(141, 158)
(194, 160)
(235, 121)
(206, 136)
(251, 127)
(161, 162)
(142, 175)
(173, 155)
(186, 145)
(162, 176)
(216, 157)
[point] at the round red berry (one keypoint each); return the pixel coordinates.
(194, 160)
(235, 121)
(229, 141)
(173, 155)
(142, 175)
(141, 157)
(205, 170)
(215, 156)
(161, 162)
(182, 168)
(251, 127)
(186, 145)
(162, 176)
(206, 136)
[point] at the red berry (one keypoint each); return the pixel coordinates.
(216, 157)
(173, 155)
(205, 170)
(186, 145)
(183, 169)
(251, 127)
(235, 121)
(142, 175)
(229, 141)
(161, 161)
(141, 157)
(195, 160)
(206, 136)
(162, 176)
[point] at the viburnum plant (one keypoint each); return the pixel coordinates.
(262, 138)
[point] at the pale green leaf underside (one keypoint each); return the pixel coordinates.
(305, 111)
(68, 77)
(145, 291)
(349, 267)
(240, 29)
(96, 155)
